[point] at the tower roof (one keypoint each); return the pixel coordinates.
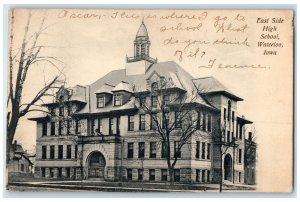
(142, 32)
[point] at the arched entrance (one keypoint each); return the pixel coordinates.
(228, 167)
(96, 165)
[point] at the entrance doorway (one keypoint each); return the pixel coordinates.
(228, 167)
(96, 165)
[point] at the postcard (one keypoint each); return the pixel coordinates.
(114, 100)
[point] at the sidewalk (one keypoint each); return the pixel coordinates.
(87, 185)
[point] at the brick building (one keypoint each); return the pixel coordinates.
(100, 130)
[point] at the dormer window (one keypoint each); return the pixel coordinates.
(100, 102)
(154, 86)
(118, 100)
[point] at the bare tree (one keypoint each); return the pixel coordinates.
(21, 60)
(172, 117)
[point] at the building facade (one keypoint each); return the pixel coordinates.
(102, 130)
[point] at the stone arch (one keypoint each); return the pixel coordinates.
(87, 151)
(228, 167)
(96, 165)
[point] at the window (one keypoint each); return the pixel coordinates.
(68, 126)
(208, 151)
(229, 109)
(22, 167)
(203, 175)
(60, 151)
(240, 155)
(154, 86)
(59, 172)
(69, 109)
(228, 136)
(77, 126)
(76, 151)
(154, 101)
(151, 174)
(224, 114)
(166, 99)
(198, 127)
(142, 101)
(43, 172)
(44, 129)
(233, 116)
(92, 122)
(52, 128)
(130, 150)
(142, 122)
(118, 125)
(209, 122)
(60, 128)
(208, 176)
(164, 174)
(140, 174)
(52, 111)
(61, 110)
(44, 152)
(141, 149)
(177, 151)
(69, 151)
(177, 175)
(178, 121)
(152, 149)
(203, 150)
(118, 100)
(130, 123)
(197, 149)
(241, 132)
(198, 175)
(52, 150)
(204, 122)
(100, 102)
(153, 125)
(100, 127)
(111, 126)
(68, 172)
(129, 174)
(165, 120)
(51, 171)
(164, 150)
(240, 177)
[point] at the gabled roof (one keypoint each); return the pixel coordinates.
(210, 85)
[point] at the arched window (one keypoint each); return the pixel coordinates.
(154, 86)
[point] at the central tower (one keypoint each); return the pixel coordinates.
(141, 60)
(142, 42)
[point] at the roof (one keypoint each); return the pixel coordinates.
(106, 88)
(142, 32)
(169, 69)
(123, 86)
(210, 85)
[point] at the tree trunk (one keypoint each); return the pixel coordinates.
(171, 174)
(12, 126)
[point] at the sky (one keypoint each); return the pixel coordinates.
(91, 43)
